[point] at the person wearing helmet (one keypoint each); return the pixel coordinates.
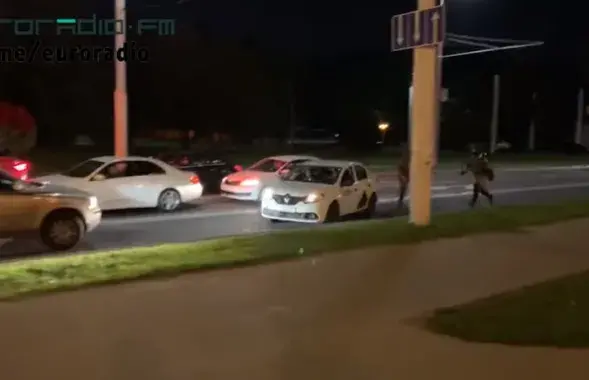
(403, 176)
(482, 173)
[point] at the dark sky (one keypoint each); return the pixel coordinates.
(330, 27)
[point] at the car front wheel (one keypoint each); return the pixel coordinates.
(62, 231)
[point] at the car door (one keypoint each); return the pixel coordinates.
(147, 181)
(349, 193)
(363, 185)
(112, 186)
(18, 211)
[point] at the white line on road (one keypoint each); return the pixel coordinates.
(545, 168)
(510, 191)
(499, 168)
(254, 210)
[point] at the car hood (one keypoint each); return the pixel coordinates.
(58, 179)
(298, 189)
(35, 187)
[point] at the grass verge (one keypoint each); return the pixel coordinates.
(553, 313)
(68, 272)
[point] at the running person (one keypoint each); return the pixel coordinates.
(482, 174)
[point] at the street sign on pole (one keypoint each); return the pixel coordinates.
(418, 28)
(422, 31)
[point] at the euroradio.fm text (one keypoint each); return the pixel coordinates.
(37, 52)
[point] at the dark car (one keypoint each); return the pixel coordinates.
(211, 170)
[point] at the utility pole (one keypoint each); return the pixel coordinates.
(407, 32)
(495, 113)
(439, 104)
(426, 94)
(121, 133)
(532, 128)
(580, 114)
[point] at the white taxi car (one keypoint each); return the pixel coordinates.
(130, 182)
(248, 185)
(319, 192)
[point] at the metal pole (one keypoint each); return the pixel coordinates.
(120, 94)
(532, 129)
(423, 121)
(439, 103)
(495, 114)
(580, 111)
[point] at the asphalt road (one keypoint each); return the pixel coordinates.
(214, 217)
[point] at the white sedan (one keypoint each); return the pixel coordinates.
(319, 192)
(130, 182)
(248, 185)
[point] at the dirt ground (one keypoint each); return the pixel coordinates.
(341, 316)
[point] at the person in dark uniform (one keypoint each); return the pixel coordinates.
(403, 176)
(482, 173)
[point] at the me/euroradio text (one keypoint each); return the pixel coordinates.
(79, 53)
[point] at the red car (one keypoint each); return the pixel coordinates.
(16, 167)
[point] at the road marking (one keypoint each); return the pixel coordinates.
(255, 210)
(504, 191)
(546, 168)
(499, 168)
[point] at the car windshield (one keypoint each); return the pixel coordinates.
(326, 175)
(267, 165)
(84, 169)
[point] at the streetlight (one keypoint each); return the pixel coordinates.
(120, 93)
(383, 128)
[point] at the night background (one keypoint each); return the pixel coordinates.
(251, 69)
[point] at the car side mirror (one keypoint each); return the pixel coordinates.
(99, 177)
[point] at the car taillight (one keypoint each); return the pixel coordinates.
(238, 168)
(194, 180)
(20, 166)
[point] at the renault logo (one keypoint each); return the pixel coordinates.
(287, 198)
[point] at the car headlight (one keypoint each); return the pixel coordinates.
(92, 203)
(250, 182)
(267, 194)
(313, 197)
